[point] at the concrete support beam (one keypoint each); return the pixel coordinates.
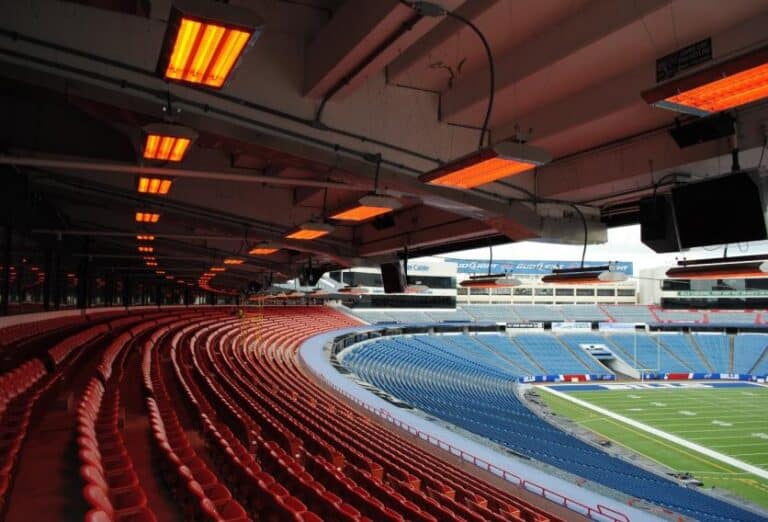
(599, 19)
(360, 40)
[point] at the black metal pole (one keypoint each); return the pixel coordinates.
(6, 290)
(47, 281)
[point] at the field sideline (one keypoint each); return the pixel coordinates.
(729, 420)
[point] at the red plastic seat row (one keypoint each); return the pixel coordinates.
(199, 490)
(321, 409)
(66, 347)
(111, 487)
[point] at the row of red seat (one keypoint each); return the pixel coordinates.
(197, 489)
(300, 429)
(66, 347)
(443, 481)
(272, 473)
(111, 487)
(20, 390)
(404, 484)
(11, 335)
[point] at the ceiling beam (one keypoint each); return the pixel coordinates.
(359, 41)
(596, 21)
(573, 123)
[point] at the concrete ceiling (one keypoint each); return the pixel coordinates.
(330, 85)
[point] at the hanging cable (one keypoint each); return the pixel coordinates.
(586, 232)
(433, 10)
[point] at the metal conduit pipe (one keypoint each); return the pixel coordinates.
(309, 122)
(137, 170)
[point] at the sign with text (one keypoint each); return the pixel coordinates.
(571, 326)
(671, 65)
(528, 267)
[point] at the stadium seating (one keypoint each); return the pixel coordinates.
(680, 316)
(495, 313)
(679, 346)
(749, 352)
(721, 317)
(584, 312)
(444, 384)
(572, 312)
(715, 348)
(650, 354)
(629, 314)
(554, 357)
(239, 431)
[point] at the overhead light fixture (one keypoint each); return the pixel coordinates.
(151, 263)
(146, 249)
(487, 164)
(159, 186)
(723, 86)
(742, 267)
(147, 217)
(585, 275)
(491, 281)
(368, 207)
(169, 277)
(311, 230)
(263, 249)
(144, 237)
(160, 272)
(167, 142)
(205, 40)
(234, 261)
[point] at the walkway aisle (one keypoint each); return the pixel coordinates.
(137, 436)
(47, 485)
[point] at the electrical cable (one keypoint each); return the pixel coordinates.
(432, 10)
(491, 72)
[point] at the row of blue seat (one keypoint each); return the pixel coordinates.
(438, 376)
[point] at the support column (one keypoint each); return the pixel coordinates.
(82, 284)
(47, 283)
(6, 290)
(57, 279)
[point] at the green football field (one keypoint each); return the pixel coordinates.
(731, 421)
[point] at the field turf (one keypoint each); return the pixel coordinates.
(732, 421)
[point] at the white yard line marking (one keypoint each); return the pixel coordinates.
(762, 473)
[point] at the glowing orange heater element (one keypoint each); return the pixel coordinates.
(368, 207)
(310, 231)
(205, 53)
(146, 249)
(487, 165)
(729, 84)
(145, 237)
(165, 148)
(205, 40)
(158, 186)
(233, 261)
(147, 217)
(218, 269)
(262, 251)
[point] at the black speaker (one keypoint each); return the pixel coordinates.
(703, 129)
(393, 277)
(384, 221)
(726, 209)
(657, 224)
